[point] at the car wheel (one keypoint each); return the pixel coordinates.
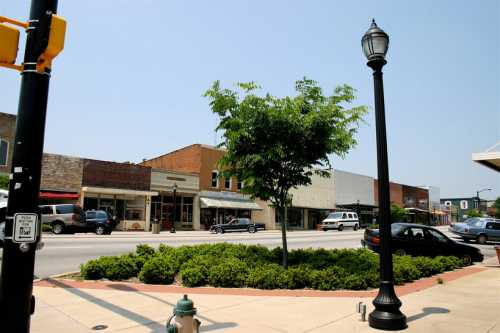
(100, 230)
(356, 227)
(482, 239)
(219, 231)
(57, 228)
(341, 227)
(467, 259)
(400, 252)
(252, 230)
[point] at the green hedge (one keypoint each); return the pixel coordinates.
(230, 265)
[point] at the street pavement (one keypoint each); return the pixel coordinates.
(65, 253)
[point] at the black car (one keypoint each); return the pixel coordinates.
(99, 221)
(421, 240)
(239, 224)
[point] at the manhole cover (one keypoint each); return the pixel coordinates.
(99, 327)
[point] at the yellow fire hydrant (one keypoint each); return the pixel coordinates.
(184, 321)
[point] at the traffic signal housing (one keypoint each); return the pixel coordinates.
(9, 44)
(55, 43)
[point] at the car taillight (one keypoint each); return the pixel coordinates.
(375, 240)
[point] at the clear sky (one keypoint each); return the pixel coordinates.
(129, 83)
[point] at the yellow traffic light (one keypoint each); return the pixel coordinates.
(9, 44)
(56, 42)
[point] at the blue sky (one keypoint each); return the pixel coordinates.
(129, 83)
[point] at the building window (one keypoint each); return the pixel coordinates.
(227, 183)
(240, 185)
(215, 178)
(464, 204)
(187, 210)
(4, 152)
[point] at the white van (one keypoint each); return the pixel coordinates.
(340, 220)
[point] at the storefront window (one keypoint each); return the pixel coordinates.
(187, 210)
(295, 217)
(90, 203)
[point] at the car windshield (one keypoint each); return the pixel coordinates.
(478, 224)
(472, 220)
(335, 216)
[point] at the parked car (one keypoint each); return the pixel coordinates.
(99, 221)
(3, 213)
(420, 240)
(63, 217)
(340, 220)
(238, 224)
(479, 229)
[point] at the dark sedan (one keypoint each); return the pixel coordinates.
(420, 240)
(239, 224)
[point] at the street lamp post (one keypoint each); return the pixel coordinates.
(386, 315)
(478, 199)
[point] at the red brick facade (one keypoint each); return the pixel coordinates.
(116, 175)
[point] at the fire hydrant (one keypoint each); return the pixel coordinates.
(184, 321)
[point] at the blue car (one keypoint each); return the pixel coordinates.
(480, 229)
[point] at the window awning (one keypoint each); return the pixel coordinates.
(231, 204)
(58, 195)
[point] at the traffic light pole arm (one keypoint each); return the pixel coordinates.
(4, 19)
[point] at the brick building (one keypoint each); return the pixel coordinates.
(7, 137)
(219, 198)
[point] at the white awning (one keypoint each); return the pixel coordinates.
(231, 204)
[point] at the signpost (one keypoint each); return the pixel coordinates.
(44, 40)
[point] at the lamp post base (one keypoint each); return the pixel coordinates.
(386, 315)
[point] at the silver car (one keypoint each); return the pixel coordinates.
(63, 218)
(480, 229)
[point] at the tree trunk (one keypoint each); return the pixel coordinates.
(283, 237)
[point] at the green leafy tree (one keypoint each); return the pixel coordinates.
(473, 213)
(274, 144)
(4, 182)
(398, 213)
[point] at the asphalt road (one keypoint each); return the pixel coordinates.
(65, 253)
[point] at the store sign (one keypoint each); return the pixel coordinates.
(25, 228)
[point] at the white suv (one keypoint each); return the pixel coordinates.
(340, 220)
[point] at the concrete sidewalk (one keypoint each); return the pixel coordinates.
(466, 304)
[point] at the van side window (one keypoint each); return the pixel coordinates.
(344, 216)
(350, 216)
(355, 215)
(46, 210)
(64, 209)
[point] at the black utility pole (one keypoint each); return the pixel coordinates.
(18, 261)
(386, 315)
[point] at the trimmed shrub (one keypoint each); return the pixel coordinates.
(266, 277)
(295, 277)
(144, 250)
(159, 270)
(328, 279)
(195, 272)
(405, 269)
(112, 268)
(230, 272)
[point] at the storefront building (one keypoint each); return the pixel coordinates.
(218, 198)
(310, 205)
(356, 193)
(177, 202)
(122, 189)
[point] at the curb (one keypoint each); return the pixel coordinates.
(406, 289)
